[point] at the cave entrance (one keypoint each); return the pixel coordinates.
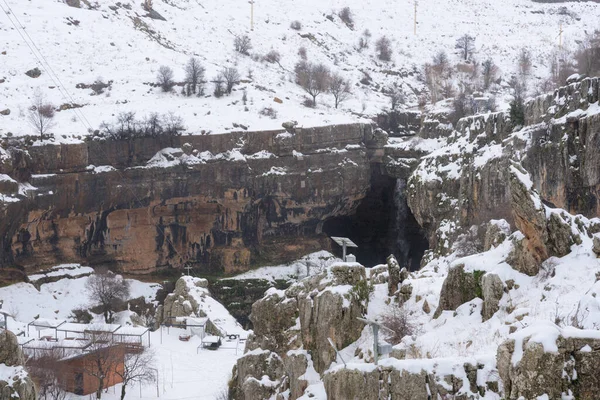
(382, 225)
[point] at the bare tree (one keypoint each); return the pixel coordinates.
(231, 77)
(313, 78)
(242, 44)
(466, 45)
(109, 290)
(41, 114)
(383, 47)
(103, 359)
(524, 61)
(397, 319)
(165, 78)
(194, 76)
(218, 82)
(363, 42)
(396, 97)
(138, 367)
(339, 88)
(561, 66)
(345, 15)
(46, 370)
(489, 72)
(588, 54)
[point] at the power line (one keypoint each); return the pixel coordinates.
(66, 95)
(47, 67)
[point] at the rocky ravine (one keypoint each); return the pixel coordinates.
(219, 202)
(506, 301)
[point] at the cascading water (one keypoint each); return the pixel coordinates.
(401, 245)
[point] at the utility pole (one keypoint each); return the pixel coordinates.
(415, 17)
(251, 14)
(560, 37)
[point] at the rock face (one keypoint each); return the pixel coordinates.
(474, 181)
(295, 326)
(185, 302)
(492, 289)
(143, 204)
(458, 288)
(573, 368)
(407, 380)
(19, 384)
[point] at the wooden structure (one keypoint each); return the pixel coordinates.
(79, 371)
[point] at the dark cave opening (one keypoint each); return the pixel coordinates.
(382, 225)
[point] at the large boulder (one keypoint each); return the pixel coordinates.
(15, 383)
(394, 275)
(458, 288)
(530, 219)
(550, 361)
(492, 290)
(596, 246)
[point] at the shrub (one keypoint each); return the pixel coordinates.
(194, 77)
(41, 114)
(128, 127)
(465, 44)
(517, 105)
(218, 90)
(313, 78)
(98, 86)
(165, 78)
(242, 44)
(272, 57)
(361, 291)
(363, 42)
(399, 322)
(489, 72)
(230, 77)
(346, 15)
(339, 88)
(268, 112)
(302, 53)
(383, 47)
(81, 316)
(296, 25)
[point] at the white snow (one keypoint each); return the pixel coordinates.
(127, 48)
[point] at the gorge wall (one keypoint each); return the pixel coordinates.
(219, 203)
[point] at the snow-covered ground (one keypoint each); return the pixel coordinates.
(184, 371)
(120, 44)
(310, 264)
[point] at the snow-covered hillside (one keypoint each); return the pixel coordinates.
(118, 43)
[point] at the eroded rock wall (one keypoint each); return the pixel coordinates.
(246, 202)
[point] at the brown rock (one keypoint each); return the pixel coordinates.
(277, 100)
(5, 112)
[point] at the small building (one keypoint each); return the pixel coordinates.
(79, 378)
(78, 360)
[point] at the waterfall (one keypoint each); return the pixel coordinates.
(402, 245)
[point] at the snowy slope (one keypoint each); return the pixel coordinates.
(126, 47)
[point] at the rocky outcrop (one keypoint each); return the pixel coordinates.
(18, 383)
(394, 275)
(227, 202)
(408, 380)
(297, 324)
(492, 289)
(546, 363)
(189, 299)
(458, 288)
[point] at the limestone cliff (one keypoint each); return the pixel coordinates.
(218, 202)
